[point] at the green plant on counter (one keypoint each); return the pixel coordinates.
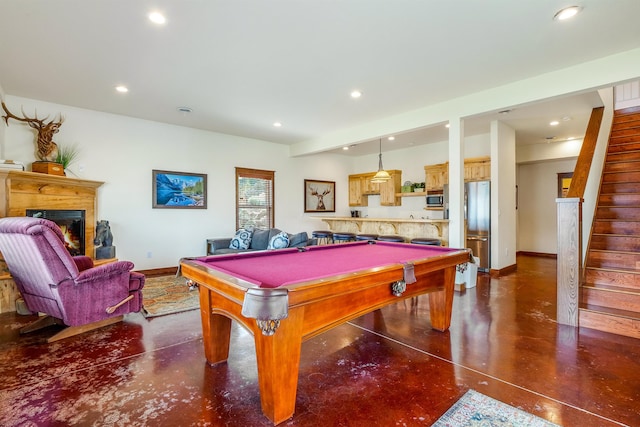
(67, 154)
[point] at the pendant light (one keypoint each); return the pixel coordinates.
(382, 175)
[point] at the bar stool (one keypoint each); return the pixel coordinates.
(324, 237)
(426, 241)
(391, 238)
(343, 237)
(365, 236)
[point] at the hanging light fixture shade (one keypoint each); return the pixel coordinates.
(382, 175)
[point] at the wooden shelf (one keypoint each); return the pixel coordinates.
(413, 194)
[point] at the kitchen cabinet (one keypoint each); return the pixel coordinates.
(360, 187)
(436, 176)
(356, 197)
(477, 169)
(389, 189)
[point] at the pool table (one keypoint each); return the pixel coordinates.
(286, 296)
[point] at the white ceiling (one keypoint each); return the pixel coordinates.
(241, 65)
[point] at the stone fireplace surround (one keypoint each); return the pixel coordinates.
(30, 190)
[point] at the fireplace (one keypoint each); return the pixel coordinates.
(72, 224)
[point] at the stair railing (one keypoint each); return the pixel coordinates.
(569, 261)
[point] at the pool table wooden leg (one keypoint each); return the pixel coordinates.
(278, 358)
(441, 302)
(216, 330)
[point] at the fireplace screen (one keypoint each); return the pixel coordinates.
(72, 224)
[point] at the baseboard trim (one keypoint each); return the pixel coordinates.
(494, 272)
(538, 254)
(165, 271)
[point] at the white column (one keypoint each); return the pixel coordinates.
(503, 196)
(457, 238)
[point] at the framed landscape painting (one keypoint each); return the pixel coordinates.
(319, 196)
(179, 190)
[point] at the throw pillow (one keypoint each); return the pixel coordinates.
(298, 240)
(279, 241)
(241, 240)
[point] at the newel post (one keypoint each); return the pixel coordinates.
(569, 263)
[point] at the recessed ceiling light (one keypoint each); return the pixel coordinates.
(345, 148)
(392, 138)
(356, 94)
(122, 89)
(157, 18)
(567, 12)
(277, 124)
(554, 123)
(447, 125)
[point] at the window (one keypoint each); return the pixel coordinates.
(254, 198)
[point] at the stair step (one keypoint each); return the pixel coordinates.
(618, 322)
(619, 187)
(613, 259)
(628, 213)
(633, 176)
(628, 199)
(620, 144)
(633, 132)
(631, 122)
(625, 113)
(622, 166)
(622, 156)
(615, 242)
(611, 296)
(629, 279)
(604, 226)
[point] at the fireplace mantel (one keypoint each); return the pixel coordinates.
(30, 190)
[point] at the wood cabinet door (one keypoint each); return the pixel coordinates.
(389, 189)
(436, 176)
(355, 191)
(477, 169)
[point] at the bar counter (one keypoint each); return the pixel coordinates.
(407, 228)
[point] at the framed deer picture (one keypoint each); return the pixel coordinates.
(319, 196)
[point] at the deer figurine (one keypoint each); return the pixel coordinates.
(320, 196)
(47, 149)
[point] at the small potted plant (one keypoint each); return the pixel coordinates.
(67, 155)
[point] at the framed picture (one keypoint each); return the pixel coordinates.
(564, 182)
(319, 196)
(179, 190)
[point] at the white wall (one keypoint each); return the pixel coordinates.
(122, 151)
(2, 128)
(537, 211)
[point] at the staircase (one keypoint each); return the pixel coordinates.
(610, 296)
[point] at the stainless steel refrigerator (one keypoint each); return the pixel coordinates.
(477, 197)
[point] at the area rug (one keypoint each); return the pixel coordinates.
(167, 295)
(475, 409)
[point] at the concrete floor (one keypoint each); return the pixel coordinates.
(387, 368)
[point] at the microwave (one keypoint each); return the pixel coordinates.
(435, 200)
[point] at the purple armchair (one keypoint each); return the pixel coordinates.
(69, 290)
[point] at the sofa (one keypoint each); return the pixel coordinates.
(257, 240)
